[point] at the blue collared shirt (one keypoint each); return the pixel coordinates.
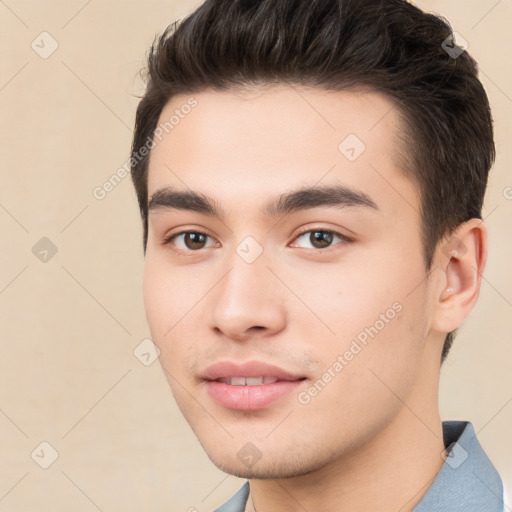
(467, 481)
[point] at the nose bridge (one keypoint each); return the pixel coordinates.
(247, 296)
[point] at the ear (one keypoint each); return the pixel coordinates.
(462, 258)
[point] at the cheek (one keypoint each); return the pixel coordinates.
(346, 298)
(169, 300)
(377, 315)
(156, 300)
(370, 383)
(163, 301)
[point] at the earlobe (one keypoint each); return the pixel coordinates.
(462, 260)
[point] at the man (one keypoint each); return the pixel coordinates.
(310, 176)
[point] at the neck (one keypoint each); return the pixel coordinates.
(391, 472)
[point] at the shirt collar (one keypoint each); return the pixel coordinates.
(467, 481)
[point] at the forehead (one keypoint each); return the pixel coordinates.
(244, 146)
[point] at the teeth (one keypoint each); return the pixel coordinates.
(248, 381)
(253, 381)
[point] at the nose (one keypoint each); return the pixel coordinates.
(248, 302)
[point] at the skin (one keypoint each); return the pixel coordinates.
(372, 438)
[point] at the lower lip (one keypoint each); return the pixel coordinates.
(249, 398)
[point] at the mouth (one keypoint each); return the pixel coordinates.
(251, 381)
(250, 386)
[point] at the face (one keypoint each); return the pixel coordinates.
(326, 287)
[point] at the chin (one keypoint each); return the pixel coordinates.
(281, 466)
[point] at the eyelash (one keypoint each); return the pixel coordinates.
(343, 237)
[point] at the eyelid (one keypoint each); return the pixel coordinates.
(168, 239)
(345, 239)
(325, 229)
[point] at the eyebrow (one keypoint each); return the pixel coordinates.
(339, 196)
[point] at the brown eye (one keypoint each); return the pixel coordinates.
(190, 240)
(321, 238)
(194, 240)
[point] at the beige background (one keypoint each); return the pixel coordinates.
(69, 326)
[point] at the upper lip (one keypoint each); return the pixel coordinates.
(227, 369)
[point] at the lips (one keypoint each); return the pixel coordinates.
(249, 386)
(251, 369)
(248, 381)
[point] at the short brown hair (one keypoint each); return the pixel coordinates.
(388, 46)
